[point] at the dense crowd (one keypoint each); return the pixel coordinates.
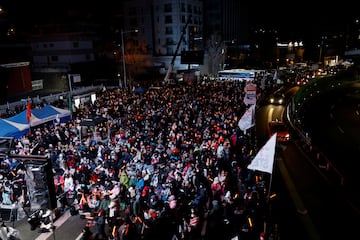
(169, 163)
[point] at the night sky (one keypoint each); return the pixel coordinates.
(299, 18)
(293, 19)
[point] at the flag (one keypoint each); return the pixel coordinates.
(28, 110)
(275, 77)
(56, 120)
(247, 120)
(264, 159)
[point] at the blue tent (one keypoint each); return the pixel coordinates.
(49, 113)
(19, 118)
(140, 90)
(12, 129)
(42, 115)
(16, 126)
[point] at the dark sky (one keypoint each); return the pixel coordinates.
(54, 11)
(279, 12)
(292, 18)
(297, 18)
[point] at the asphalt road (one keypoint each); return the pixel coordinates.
(335, 130)
(68, 227)
(309, 204)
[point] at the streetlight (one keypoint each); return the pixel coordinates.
(123, 54)
(321, 46)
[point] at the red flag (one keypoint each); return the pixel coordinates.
(28, 112)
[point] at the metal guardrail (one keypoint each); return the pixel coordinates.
(316, 156)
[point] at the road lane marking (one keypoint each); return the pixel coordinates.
(340, 129)
(299, 205)
(79, 237)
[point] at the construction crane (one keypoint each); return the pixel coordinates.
(171, 66)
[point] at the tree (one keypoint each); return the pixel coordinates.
(216, 50)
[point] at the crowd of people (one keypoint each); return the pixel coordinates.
(169, 163)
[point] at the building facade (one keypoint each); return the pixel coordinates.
(161, 24)
(57, 52)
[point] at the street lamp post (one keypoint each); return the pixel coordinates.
(321, 46)
(123, 55)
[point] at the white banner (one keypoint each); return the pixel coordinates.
(264, 159)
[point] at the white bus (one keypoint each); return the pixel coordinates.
(240, 74)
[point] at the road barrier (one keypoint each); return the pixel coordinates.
(316, 156)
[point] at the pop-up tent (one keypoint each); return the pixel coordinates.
(16, 126)
(96, 123)
(49, 113)
(140, 90)
(93, 121)
(12, 129)
(42, 115)
(20, 118)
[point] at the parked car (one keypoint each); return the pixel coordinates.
(279, 127)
